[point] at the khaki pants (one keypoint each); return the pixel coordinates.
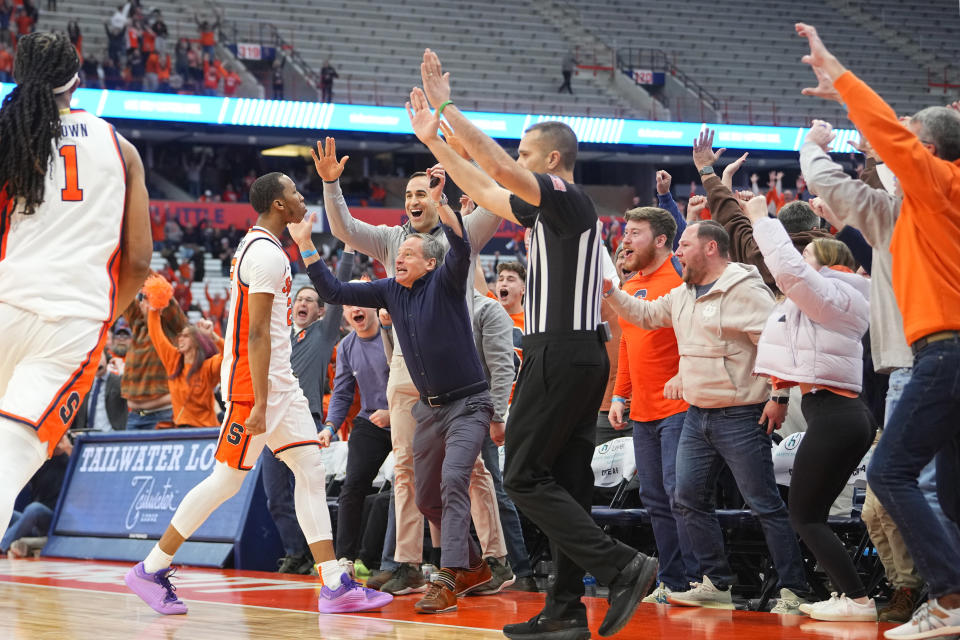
(900, 569)
(402, 395)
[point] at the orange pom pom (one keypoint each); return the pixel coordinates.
(157, 291)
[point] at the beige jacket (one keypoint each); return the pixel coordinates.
(717, 334)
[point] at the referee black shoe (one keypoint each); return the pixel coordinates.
(631, 584)
(570, 627)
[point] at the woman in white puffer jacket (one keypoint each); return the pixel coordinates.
(813, 339)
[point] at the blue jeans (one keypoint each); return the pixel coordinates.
(509, 519)
(924, 426)
(711, 437)
(278, 484)
(387, 563)
(137, 422)
(34, 521)
(655, 449)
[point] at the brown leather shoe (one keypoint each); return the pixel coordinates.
(469, 580)
(438, 599)
(900, 608)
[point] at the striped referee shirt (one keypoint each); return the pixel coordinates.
(564, 274)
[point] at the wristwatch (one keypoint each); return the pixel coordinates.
(707, 170)
(443, 200)
(781, 399)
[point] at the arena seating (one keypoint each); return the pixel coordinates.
(505, 56)
(750, 58)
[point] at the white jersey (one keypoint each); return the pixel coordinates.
(63, 260)
(259, 266)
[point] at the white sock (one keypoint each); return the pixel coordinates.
(330, 572)
(156, 560)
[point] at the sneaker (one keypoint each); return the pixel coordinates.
(155, 589)
(296, 565)
(525, 583)
(659, 595)
(377, 581)
(703, 594)
(350, 597)
(406, 579)
(900, 607)
(347, 567)
(503, 578)
(539, 627)
(789, 603)
(632, 583)
(930, 621)
(472, 580)
(438, 599)
(360, 569)
(28, 547)
(840, 609)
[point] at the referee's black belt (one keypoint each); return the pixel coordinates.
(446, 398)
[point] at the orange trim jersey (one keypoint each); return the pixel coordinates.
(259, 266)
(648, 359)
(63, 260)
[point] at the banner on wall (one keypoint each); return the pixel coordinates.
(250, 112)
(130, 488)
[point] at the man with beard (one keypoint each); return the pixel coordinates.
(361, 363)
(648, 362)
(717, 315)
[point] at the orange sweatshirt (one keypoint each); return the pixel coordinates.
(192, 399)
(648, 359)
(926, 238)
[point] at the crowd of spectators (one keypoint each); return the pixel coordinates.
(730, 303)
(141, 56)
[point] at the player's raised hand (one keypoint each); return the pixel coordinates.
(425, 122)
(436, 83)
(325, 160)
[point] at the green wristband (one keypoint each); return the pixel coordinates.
(442, 107)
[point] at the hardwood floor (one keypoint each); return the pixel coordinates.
(58, 599)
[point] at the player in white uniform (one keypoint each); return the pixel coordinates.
(265, 406)
(74, 249)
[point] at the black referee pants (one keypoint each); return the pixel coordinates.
(549, 446)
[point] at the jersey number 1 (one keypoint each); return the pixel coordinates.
(72, 191)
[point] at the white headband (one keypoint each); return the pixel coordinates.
(66, 87)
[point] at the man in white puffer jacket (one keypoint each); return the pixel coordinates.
(718, 314)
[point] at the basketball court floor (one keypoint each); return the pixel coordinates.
(68, 599)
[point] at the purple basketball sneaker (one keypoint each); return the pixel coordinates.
(155, 589)
(350, 597)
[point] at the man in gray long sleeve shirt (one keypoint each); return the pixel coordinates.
(312, 339)
(381, 243)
